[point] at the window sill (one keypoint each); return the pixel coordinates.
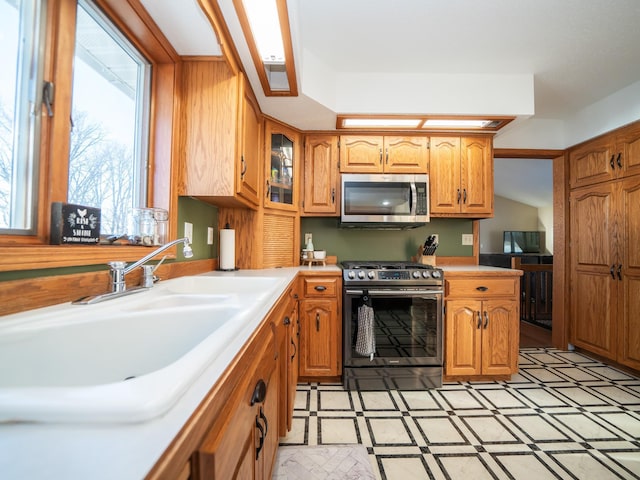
(31, 257)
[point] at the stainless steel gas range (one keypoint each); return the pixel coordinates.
(392, 325)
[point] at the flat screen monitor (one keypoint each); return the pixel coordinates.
(523, 242)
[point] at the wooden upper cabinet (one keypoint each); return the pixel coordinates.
(221, 134)
(384, 154)
(321, 176)
(614, 155)
(250, 124)
(461, 177)
(282, 160)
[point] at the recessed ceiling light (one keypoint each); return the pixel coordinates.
(381, 122)
(458, 123)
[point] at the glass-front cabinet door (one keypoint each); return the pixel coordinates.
(282, 159)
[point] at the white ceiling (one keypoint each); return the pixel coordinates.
(533, 59)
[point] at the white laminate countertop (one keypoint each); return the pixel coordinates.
(122, 451)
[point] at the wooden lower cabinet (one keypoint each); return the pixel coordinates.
(244, 443)
(290, 349)
(482, 326)
(320, 327)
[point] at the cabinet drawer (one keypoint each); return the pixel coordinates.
(320, 287)
(481, 287)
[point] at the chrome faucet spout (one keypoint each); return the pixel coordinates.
(186, 251)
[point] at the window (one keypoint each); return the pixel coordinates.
(21, 38)
(110, 112)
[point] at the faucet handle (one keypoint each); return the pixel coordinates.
(148, 278)
(117, 276)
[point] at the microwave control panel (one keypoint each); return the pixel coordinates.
(421, 199)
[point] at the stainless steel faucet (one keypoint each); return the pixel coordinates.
(119, 270)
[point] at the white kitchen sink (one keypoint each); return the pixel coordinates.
(123, 360)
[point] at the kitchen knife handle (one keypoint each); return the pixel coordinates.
(611, 271)
(619, 272)
(619, 160)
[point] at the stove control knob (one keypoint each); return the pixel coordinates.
(371, 274)
(425, 274)
(436, 274)
(351, 274)
(416, 274)
(361, 274)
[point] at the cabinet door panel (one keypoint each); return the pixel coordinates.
(463, 337)
(594, 312)
(476, 176)
(591, 163)
(406, 154)
(321, 176)
(629, 285)
(249, 164)
(444, 180)
(499, 337)
(628, 146)
(361, 154)
(319, 338)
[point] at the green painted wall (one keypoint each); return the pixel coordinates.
(356, 244)
(200, 214)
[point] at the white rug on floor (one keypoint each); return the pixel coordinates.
(323, 462)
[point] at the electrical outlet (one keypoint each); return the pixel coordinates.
(188, 231)
(209, 235)
(467, 239)
(308, 237)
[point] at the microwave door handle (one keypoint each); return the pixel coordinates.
(414, 199)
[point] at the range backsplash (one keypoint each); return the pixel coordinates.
(355, 244)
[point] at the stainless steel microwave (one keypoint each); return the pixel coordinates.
(384, 200)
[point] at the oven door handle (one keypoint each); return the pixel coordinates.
(395, 293)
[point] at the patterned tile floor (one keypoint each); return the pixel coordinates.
(563, 416)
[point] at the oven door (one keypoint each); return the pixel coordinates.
(406, 325)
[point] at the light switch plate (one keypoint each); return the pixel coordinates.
(467, 239)
(188, 231)
(209, 235)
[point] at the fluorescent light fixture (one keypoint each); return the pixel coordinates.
(381, 122)
(457, 123)
(418, 122)
(265, 26)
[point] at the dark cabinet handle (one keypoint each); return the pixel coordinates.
(458, 196)
(266, 423)
(287, 321)
(486, 320)
(320, 288)
(317, 322)
(295, 350)
(259, 392)
(387, 156)
(262, 434)
(611, 271)
(464, 195)
(482, 288)
(619, 160)
(333, 195)
(295, 295)
(268, 189)
(479, 319)
(380, 156)
(613, 165)
(619, 272)
(244, 167)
